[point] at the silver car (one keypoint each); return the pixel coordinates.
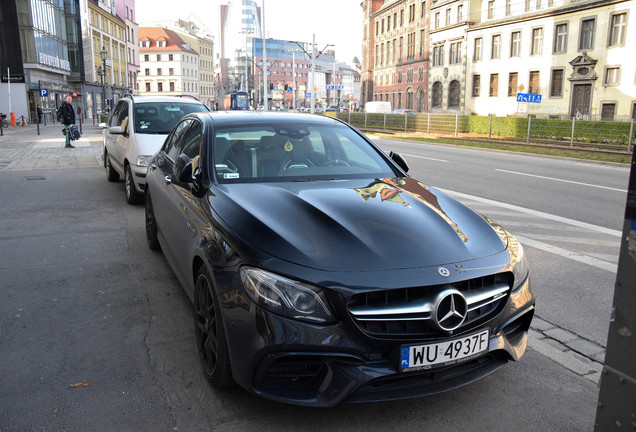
(135, 131)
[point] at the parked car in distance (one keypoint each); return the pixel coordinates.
(320, 272)
(332, 109)
(381, 107)
(135, 131)
(404, 111)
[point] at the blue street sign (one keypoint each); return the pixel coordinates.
(44, 92)
(528, 97)
(275, 87)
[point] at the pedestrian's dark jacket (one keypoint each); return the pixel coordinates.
(67, 114)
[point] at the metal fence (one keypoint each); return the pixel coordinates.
(565, 131)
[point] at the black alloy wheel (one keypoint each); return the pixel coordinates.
(113, 175)
(132, 196)
(210, 333)
(151, 225)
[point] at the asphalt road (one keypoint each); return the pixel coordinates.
(85, 300)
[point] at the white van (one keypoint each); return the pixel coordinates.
(378, 107)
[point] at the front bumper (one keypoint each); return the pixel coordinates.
(139, 177)
(304, 364)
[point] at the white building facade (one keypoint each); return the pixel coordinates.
(578, 56)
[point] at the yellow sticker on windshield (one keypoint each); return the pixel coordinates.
(289, 146)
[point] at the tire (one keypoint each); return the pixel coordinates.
(151, 225)
(210, 332)
(132, 196)
(111, 174)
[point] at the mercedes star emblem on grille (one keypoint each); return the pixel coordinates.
(450, 310)
(443, 271)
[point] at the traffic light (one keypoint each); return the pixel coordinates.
(271, 86)
(286, 87)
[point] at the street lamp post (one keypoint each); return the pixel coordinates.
(103, 53)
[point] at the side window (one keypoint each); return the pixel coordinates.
(114, 118)
(172, 143)
(122, 118)
(192, 141)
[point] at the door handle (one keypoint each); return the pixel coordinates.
(168, 179)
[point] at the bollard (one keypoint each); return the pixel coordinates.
(631, 136)
(572, 136)
(384, 121)
(490, 127)
(406, 122)
(529, 127)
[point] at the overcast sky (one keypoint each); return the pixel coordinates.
(336, 22)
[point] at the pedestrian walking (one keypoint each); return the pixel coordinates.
(67, 117)
(39, 110)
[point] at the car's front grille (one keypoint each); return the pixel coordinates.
(409, 311)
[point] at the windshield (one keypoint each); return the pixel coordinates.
(161, 117)
(293, 152)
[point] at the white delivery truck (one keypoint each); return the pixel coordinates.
(378, 107)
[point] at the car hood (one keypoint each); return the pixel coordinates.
(355, 225)
(149, 144)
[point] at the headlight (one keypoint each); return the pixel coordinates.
(286, 297)
(144, 160)
(518, 261)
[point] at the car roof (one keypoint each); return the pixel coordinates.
(231, 118)
(152, 99)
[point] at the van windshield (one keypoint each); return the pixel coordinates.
(161, 117)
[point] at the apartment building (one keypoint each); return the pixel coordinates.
(395, 63)
(169, 65)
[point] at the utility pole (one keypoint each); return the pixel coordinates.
(264, 60)
(313, 56)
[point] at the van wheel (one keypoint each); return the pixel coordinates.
(132, 196)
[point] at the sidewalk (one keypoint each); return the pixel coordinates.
(21, 148)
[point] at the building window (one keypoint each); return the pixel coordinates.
(460, 13)
(496, 47)
(491, 9)
(455, 53)
(561, 38)
(438, 55)
(556, 84)
(148, 87)
(420, 74)
(423, 9)
(170, 57)
(508, 7)
(533, 83)
(159, 86)
(477, 53)
(170, 71)
(617, 29)
(401, 17)
(147, 71)
(513, 79)
(448, 17)
(537, 42)
(612, 76)
(527, 8)
(607, 111)
(437, 95)
(476, 85)
(515, 44)
(586, 39)
(538, 4)
(146, 57)
(158, 71)
(436, 20)
(454, 92)
(494, 85)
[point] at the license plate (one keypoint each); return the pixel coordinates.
(444, 353)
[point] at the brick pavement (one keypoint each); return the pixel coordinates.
(21, 148)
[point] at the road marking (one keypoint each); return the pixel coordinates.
(562, 180)
(595, 262)
(549, 216)
(424, 157)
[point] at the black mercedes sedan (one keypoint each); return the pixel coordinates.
(320, 272)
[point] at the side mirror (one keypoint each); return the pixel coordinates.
(115, 130)
(103, 125)
(182, 169)
(399, 160)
